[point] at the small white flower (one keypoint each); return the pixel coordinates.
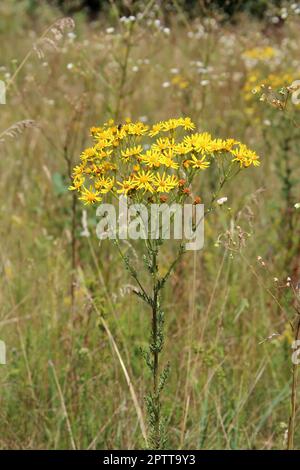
(135, 68)
(222, 200)
(166, 84)
(166, 31)
(204, 82)
(70, 66)
(297, 205)
(110, 30)
(174, 70)
(275, 20)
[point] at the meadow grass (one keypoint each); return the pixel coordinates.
(64, 384)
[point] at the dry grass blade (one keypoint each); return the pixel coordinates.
(128, 380)
(124, 369)
(51, 38)
(17, 129)
(63, 405)
(56, 31)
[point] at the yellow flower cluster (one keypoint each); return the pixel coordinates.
(146, 163)
(255, 80)
(179, 81)
(260, 53)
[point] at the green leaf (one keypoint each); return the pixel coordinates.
(59, 185)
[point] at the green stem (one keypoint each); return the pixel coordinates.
(155, 352)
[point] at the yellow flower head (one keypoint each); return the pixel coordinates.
(88, 154)
(165, 183)
(104, 185)
(156, 129)
(220, 145)
(125, 186)
(163, 144)
(131, 152)
(137, 129)
(144, 180)
(77, 183)
(199, 163)
(151, 159)
(89, 196)
(245, 157)
(167, 160)
(202, 143)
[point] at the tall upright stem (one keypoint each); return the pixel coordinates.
(155, 352)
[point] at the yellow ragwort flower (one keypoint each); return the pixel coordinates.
(199, 163)
(202, 143)
(118, 163)
(164, 143)
(143, 180)
(77, 183)
(89, 196)
(104, 185)
(151, 159)
(165, 183)
(245, 157)
(131, 152)
(125, 186)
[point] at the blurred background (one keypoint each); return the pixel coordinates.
(70, 65)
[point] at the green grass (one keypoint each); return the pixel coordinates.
(226, 390)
